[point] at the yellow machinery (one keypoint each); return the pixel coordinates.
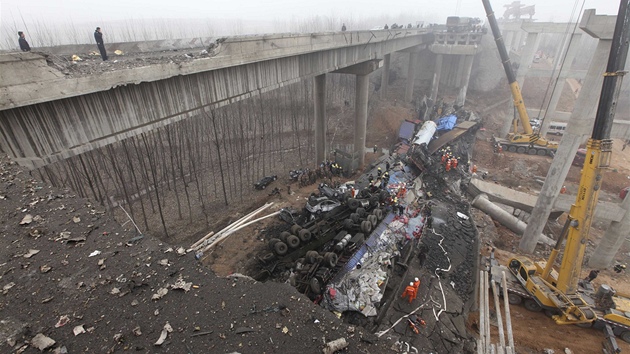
(557, 291)
(526, 141)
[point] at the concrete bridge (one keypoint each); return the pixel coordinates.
(46, 116)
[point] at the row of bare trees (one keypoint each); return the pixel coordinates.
(174, 179)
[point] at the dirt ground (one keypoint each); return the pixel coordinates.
(74, 280)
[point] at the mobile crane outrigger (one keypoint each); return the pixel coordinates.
(540, 286)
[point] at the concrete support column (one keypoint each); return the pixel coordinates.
(579, 126)
(468, 62)
(411, 75)
(557, 92)
(508, 38)
(533, 41)
(436, 78)
(459, 79)
(385, 75)
(612, 240)
(516, 45)
(320, 118)
(360, 120)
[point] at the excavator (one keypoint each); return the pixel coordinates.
(527, 141)
(560, 292)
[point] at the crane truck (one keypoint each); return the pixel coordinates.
(560, 292)
(525, 142)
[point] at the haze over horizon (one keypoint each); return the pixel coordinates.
(72, 21)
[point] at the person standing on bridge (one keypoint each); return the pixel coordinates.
(23, 43)
(98, 36)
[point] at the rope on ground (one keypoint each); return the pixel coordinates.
(442, 309)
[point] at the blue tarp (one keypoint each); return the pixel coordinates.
(406, 130)
(446, 123)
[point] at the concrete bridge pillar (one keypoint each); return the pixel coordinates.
(559, 87)
(436, 78)
(508, 38)
(579, 126)
(463, 88)
(320, 117)
(362, 72)
(613, 240)
(385, 75)
(411, 75)
(533, 41)
(360, 120)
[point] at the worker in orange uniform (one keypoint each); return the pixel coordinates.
(416, 284)
(563, 190)
(454, 163)
(410, 291)
(448, 165)
(474, 169)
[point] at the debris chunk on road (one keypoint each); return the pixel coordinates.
(160, 294)
(27, 219)
(31, 253)
(78, 330)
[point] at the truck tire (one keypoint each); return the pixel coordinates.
(330, 259)
(374, 200)
(353, 204)
(625, 336)
(361, 211)
(532, 305)
(541, 152)
(521, 149)
(511, 148)
(348, 223)
(283, 236)
(383, 195)
(531, 151)
(514, 299)
(280, 248)
(268, 257)
(311, 256)
(304, 235)
(366, 226)
(295, 229)
(379, 214)
(373, 220)
(355, 218)
(272, 243)
(293, 241)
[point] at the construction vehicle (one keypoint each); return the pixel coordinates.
(527, 141)
(560, 292)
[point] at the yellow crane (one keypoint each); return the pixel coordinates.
(526, 141)
(558, 291)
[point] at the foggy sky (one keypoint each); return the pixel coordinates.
(256, 10)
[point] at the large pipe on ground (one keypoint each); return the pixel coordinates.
(506, 219)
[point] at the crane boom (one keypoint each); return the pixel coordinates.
(598, 153)
(505, 60)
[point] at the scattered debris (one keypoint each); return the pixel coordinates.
(165, 331)
(137, 332)
(6, 288)
(63, 320)
(27, 219)
(76, 219)
(160, 294)
(45, 268)
(181, 284)
(31, 253)
(42, 342)
(337, 344)
(78, 330)
(95, 253)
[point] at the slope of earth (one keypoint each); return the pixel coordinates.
(70, 273)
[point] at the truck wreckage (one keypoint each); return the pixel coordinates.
(411, 222)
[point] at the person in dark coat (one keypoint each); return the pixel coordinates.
(98, 36)
(23, 43)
